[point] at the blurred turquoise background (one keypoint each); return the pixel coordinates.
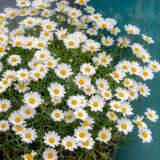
(145, 14)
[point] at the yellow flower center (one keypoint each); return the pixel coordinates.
(17, 119)
(50, 155)
(92, 48)
(3, 106)
(57, 115)
(86, 143)
(116, 75)
(85, 123)
(87, 69)
(63, 72)
(130, 31)
(3, 125)
(95, 104)
(28, 135)
(32, 101)
(80, 114)
(124, 126)
(69, 144)
(103, 136)
(14, 59)
(56, 91)
(144, 134)
(81, 82)
(82, 134)
(52, 140)
(23, 75)
(71, 43)
(1, 50)
(104, 59)
(29, 157)
(27, 111)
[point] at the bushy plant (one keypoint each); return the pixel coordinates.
(68, 80)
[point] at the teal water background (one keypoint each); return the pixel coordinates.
(145, 14)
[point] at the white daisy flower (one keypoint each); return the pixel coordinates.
(51, 62)
(29, 156)
(135, 68)
(104, 135)
(115, 105)
(22, 74)
(71, 42)
(61, 33)
(126, 109)
(124, 125)
(146, 73)
(82, 81)
(32, 99)
(50, 154)
(42, 55)
(107, 41)
(123, 42)
(112, 116)
(73, 102)
(5, 105)
(106, 94)
(22, 3)
(69, 143)
(88, 123)
(114, 31)
(28, 135)
(117, 75)
(81, 134)
(56, 99)
(22, 87)
(102, 84)
(2, 87)
(122, 94)
(63, 70)
(91, 46)
(80, 114)
(123, 65)
(87, 144)
(143, 89)
(132, 29)
(87, 69)
(82, 2)
(51, 139)
(145, 134)
(27, 112)
(148, 39)
(4, 125)
(96, 103)
(16, 118)
(144, 56)
(69, 116)
(89, 89)
(151, 115)
(139, 122)
(56, 89)
(137, 48)
(57, 115)
(155, 66)
(18, 129)
(89, 9)
(104, 59)
(74, 13)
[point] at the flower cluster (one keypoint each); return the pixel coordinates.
(66, 81)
